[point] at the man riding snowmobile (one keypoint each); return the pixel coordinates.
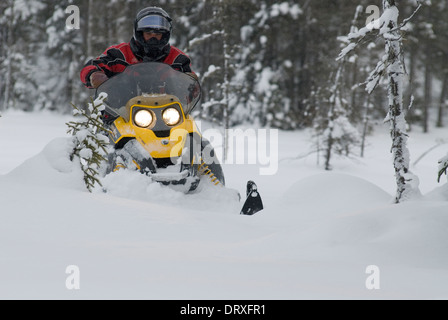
(152, 31)
(145, 115)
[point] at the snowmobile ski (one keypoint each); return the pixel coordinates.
(253, 202)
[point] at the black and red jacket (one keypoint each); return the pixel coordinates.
(116, 58)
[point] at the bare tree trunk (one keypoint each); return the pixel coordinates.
(328, 152)
(8, 81)
(439, 123)
(111, 26)
(226, 84)
(428, 87)
(9, 56)
(3, 53)
(409, 90)
(226, 98)
(365, 124)
(90, 17)
(353, 100)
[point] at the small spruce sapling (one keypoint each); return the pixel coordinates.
(90, 144)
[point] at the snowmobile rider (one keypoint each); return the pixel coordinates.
(152, 31)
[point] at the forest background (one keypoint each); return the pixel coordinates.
(261, 62)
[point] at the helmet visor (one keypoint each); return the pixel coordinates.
(153, 22)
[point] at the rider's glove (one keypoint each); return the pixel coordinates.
(97, 78)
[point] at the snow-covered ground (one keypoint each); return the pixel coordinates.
(322, 235)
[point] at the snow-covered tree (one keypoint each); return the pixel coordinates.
(19, 65)
(439, 46)
(278, 55)
(392, 66)
(90, 143)
(269, 64)
(6, 46)
(61, 59)
(337, 133)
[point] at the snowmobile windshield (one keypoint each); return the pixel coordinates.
(150, 78)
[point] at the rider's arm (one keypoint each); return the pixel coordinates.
(180, 61)
(111, 62)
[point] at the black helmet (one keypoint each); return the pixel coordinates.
(152, 19)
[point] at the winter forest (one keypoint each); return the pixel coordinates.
(330, 120)
(290, 64)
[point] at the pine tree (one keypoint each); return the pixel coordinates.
(407, 183)
(220, 88)
(338, 134)
(22, 58)
(8, 49)
(439, 10)
(62, 54)
(272, 72)
(279, 55)
(90, 144)
(392, 66)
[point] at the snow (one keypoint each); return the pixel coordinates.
(264, 81)
(317, 238)
(285, 8)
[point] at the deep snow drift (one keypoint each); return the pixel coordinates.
(318, 234)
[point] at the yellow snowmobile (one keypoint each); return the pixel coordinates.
(148, 114)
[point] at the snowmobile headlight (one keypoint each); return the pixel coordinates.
(143, 118)
(171, 116)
